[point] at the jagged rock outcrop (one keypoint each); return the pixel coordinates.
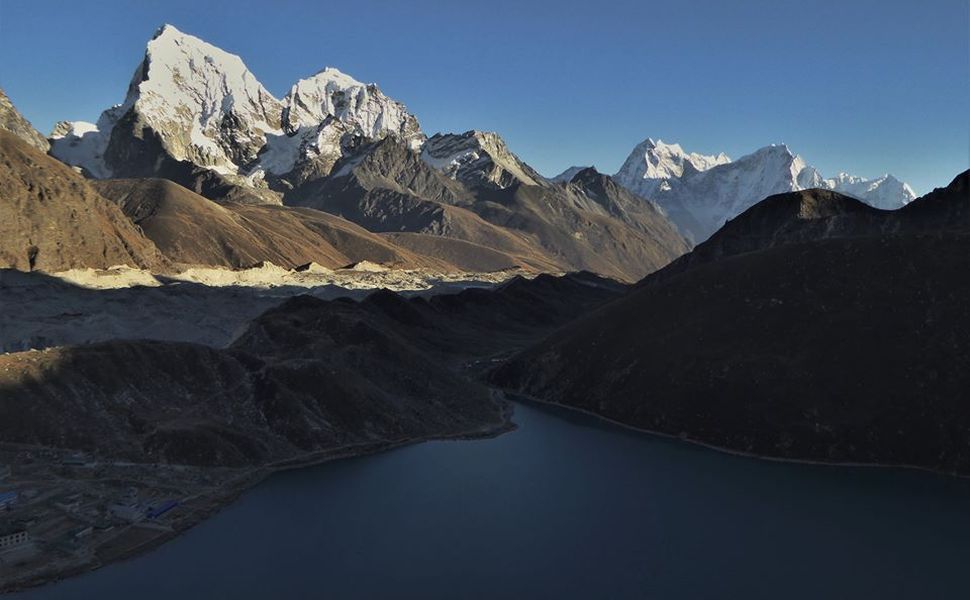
(478, 159)
(11, 120)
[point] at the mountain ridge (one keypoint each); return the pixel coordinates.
(701, 192)
(191, 101)
(51, 219)
(811, 327)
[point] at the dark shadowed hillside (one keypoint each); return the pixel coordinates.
(817, 214)
(306, 376)
(838, 347)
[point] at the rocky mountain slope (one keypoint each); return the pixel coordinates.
(51, 219)
(478, 159)
(496, 201)
(306, 376)
(701, 192)
(192, 230)
(185, 404)
(11, 120)
(840, 343)
(815, 214)
(196, 115)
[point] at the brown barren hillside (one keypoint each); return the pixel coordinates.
(51, 219)
(191, 229)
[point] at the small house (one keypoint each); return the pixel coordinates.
(13, 539)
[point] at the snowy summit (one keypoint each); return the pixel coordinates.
(701, 192)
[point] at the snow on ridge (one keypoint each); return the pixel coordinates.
(331, 92)
(652, 159)
(478, 157)
(701, 192)
(82, 144)
(210, 109)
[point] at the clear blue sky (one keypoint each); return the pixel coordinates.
(866, 86)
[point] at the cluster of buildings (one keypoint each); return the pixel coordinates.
(131, 509)
(64, 520)
(11, 539)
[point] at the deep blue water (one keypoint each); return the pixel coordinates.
(565, 507)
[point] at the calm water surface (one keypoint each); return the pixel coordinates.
(565, 507)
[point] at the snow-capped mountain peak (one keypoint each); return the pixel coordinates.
(202, 104)
(83, 145)
(191, 101)
(478, 158)
(205, 103)
(882, 192)
(653, 161)
(701, 192)
(362, 106)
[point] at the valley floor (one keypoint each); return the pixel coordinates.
(200, 305)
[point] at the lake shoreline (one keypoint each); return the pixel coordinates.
(514, 396)
(666, 518)
(213, 504)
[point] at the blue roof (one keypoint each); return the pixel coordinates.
(8, 495)
(157, 511)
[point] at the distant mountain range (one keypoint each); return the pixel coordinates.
(195, 115)
(700, 193)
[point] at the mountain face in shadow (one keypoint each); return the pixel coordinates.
(307, 376)
(809, 327)
(816, 214)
